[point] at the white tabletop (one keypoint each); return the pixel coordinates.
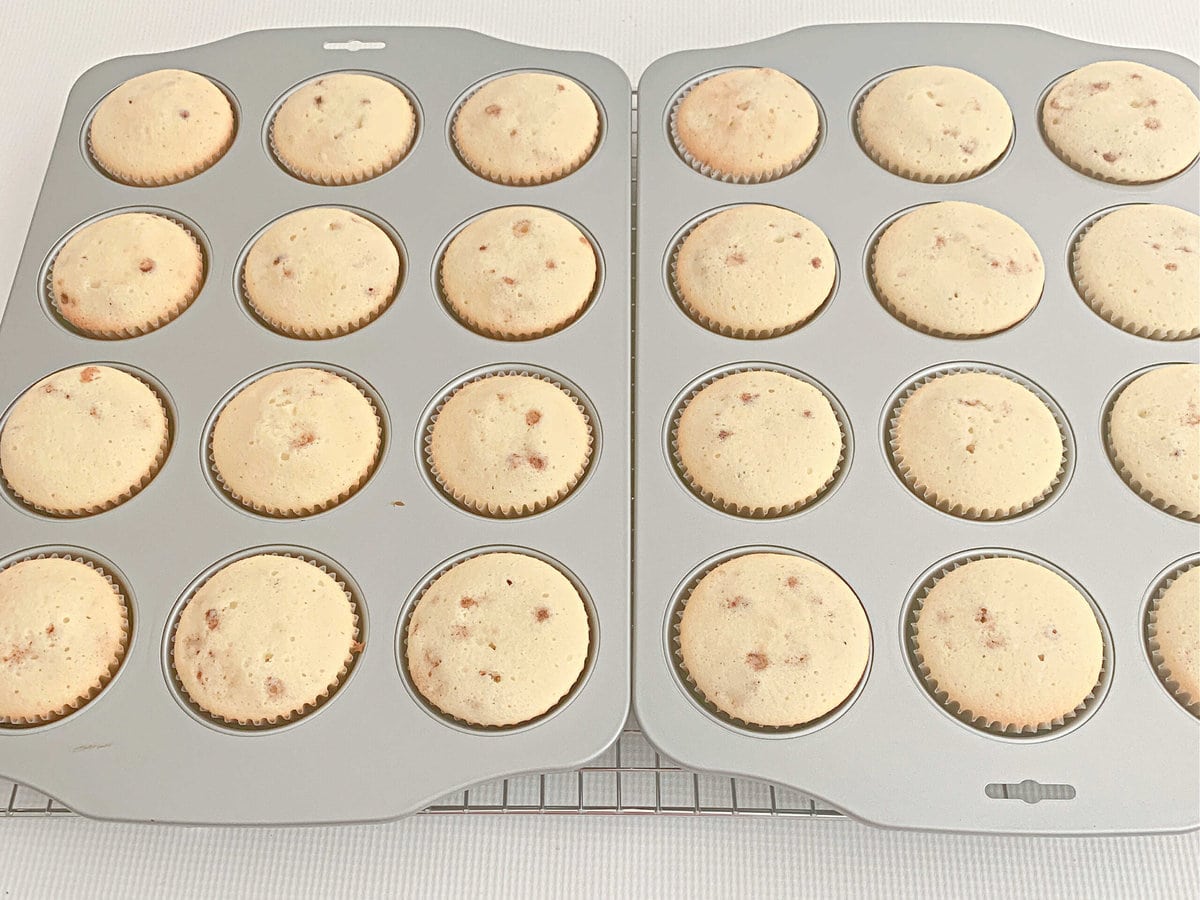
(47, 44)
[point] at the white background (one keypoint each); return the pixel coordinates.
(46, 46)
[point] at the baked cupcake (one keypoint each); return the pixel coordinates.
(83, 440)
(935, 123)
(321, 272)
(518, 272)
(295, 442)
(754, 271)
(161, 127)
(1008, 645)
(343, 128)
(509, 444)
(125, 275)
(758, 443)
(977, 444)
(746, 125)
(958, 270)
(1174, 636)
(773, 639)
(526, 128)
(1123, 122)
(1139, 268)
(64, 627)
(497, 640)
(1154, 437)
(264, 640)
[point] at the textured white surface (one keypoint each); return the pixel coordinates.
(47, 45)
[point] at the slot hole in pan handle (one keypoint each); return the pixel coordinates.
(1030, 791)
(354, 46)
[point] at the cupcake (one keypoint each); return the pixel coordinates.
(935, 123)
(295, 442)
(125, 275)
(161, 127)
(977, 444)
(758, 443)
(1154, 437)
(83, 440)
(321, 272)
(518, 272)
(343, 128)
(264, 640)
(754, 271)
(526, 128)
(773, 639)
(1139, 268)
(958, 270)
(746, 125)
(64, 627)
(497, 640)
(1008, 645)
(509, 444)
(1174, 636)
(1122, 122)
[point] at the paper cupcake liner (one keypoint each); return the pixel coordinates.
(299, 511)
(965, 714)
(304, 709)
(144, 327)
(110, 672)
(733, 178)
(946, 505)
(508, 512)
(1186, 700)
(757, 512)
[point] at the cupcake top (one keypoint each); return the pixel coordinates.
(296, 442)
(507, 445)
(759, 443)
(1010, 643)
(1123, 122)
(498, 640)
(955, 269)
(343, 128)
(518, 272)
(935, 123)
(1154, 434)
(321, 272)
(83, 440)
(1176, 618)
(125, 275)
(774, 639)
(746, 125)
(977, 445)
(754, 271)
(63, 630)
(161, 127)
(1139, 268)
(264, 638)
(527, 128)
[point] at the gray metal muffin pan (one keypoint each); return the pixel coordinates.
(372, 751)
(893, 757)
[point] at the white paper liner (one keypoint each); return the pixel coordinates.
(1186, 700)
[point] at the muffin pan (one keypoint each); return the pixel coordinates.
(139, 750)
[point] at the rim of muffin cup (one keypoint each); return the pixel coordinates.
(673, 651)
(430, 415)
(272, 724)
(49, 303)
(169, 411)
(268, 130)
(248, 307)
(670, 276)
(120, 585)
(1149, 621)
(426, 582)
(226, 493)
(1059, 726)
(901, 395)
